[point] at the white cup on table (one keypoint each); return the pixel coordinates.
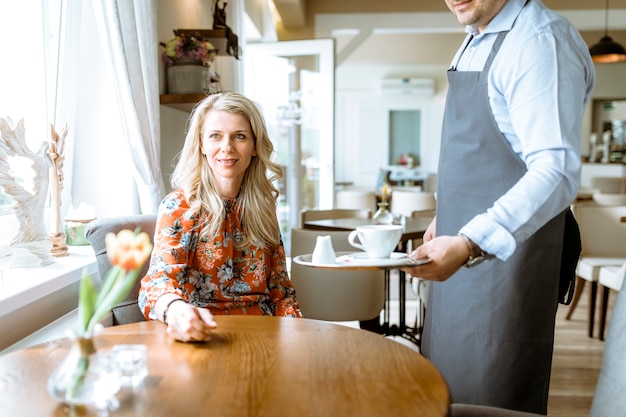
(378, 241)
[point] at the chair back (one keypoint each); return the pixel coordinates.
(127, 311)
(355, 199)
(406, 202)
(307, 215)
(601, 230)
(609, 399)
(609, 199)
(613, 185)
(334, 295)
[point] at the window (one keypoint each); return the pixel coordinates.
(23, 80)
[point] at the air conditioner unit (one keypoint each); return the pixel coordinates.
(408, 86)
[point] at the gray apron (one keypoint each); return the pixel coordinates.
(490, 329)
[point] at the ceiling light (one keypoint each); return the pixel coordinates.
(607, 51)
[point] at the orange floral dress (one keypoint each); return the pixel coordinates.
(212, 273)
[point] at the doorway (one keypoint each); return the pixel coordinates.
(293, 83)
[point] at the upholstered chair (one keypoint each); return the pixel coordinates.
(127, 311)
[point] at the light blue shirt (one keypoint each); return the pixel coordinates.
(538, 85)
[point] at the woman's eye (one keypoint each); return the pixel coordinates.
(240, 136)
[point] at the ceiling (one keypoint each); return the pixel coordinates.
(416, 32)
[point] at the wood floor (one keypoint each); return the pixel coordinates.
(576, 362)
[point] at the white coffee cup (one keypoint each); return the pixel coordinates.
(377, 240)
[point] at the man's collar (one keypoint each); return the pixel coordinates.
(504, 20)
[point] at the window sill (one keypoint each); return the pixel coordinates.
(30, 298)
(23, 286)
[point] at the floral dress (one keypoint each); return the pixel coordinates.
(212, 273)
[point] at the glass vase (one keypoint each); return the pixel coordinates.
(85, 377)
(383, 215)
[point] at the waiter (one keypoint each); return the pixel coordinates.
(503, 244)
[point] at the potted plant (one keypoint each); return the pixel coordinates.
(188, 60)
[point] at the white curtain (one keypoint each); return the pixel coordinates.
(128, 29)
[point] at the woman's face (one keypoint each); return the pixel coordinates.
(476, 13)
(228, 144)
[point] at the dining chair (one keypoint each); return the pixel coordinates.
(609, 199)
(613, 185)
(610, 278)
(309, 215)
(420, 286)
(609, 399)
(331, 294)
(127, 311)
(406, 202)
(355, 199)
(602, 236)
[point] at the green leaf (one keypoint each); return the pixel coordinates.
(109, 282)
(87, 301)
(124, 283)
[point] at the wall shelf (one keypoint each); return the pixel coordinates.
(184, 102)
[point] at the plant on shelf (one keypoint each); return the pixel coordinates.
(187, 49)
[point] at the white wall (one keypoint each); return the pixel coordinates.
(361, 110)
(191, 14)
(361, 119)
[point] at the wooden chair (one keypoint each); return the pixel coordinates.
(127, 311)
(612, 185)
(307, 215)
(602, 236)
(609, 199)
(406, 202)
(334, 295)
(355, 199)
(609, 397)
(610, 278)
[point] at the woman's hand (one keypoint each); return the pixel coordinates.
(188, 323)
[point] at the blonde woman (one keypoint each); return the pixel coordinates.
(217, 248)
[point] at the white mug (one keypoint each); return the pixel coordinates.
(377, 240)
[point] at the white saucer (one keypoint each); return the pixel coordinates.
(360, 260)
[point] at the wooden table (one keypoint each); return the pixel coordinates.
(414, 228)
(254, 366)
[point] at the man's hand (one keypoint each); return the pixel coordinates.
(431, 231)
(447, 254)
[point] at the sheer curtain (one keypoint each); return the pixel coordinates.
(128, 30)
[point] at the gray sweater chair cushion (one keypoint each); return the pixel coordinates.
(127, 311)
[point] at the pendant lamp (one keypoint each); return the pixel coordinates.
(607, 51)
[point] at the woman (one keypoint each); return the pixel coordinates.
(217, 247)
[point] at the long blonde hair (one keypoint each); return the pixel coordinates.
(258, 196)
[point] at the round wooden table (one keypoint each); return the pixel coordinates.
(254, 366)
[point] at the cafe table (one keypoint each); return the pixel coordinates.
(253, 366)
(413, 228)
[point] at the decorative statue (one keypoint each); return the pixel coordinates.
(55, 153)
(219, 22)
(31, 246)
